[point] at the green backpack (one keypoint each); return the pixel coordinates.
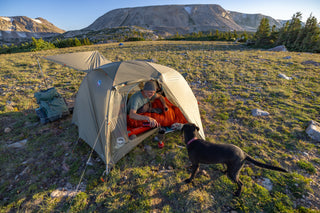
(52, 105)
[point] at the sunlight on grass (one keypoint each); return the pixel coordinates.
(229, 81)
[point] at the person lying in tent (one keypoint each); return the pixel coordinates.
(147, 106)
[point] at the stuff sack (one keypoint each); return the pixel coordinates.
(52, 105)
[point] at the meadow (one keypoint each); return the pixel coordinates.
(228, 79)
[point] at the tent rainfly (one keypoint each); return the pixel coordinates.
(100, 107)
(83, 61)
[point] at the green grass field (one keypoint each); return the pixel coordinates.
(229, 81)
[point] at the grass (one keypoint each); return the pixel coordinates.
(228, 80)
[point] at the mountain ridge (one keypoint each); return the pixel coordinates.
(181, 18)
(161, 20)
(21, 28)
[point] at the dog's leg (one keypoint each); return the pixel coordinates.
(233, 173)
(195, 168)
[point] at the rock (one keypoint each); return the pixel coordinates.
(89, 162)
(7, 130)
(280, 48)
(313, 130)
(90, 172)
(311, 62)
(266, 183)
(18, 144)
(287, 57)
(259, 112)
(284, 76)
(63, 193)
(147, 148)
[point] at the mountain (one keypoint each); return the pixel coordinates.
(180, 18)
(149, 21)
(251, 22)
(22, 28)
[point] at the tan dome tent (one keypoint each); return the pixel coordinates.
(100, 107)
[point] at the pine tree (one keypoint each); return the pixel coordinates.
(235, 35)
(217, 35)
(283, 33)
(77, 42)
(244, 37)
(263, 33)
(293, 31)
(308, 36)
(273, 35)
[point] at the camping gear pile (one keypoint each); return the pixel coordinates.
(52, 105)
(100, 106)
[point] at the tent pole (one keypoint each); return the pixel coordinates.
(107, 145)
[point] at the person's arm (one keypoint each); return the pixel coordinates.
(133, 115)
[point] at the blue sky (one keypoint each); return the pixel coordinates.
(78, 14)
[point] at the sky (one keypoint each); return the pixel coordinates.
(78, 14)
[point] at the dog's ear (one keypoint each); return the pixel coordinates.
(195, 126)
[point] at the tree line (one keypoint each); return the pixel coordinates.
(293, 35)
(214, 36)
(40, 44)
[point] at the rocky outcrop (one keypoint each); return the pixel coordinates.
(20, 28)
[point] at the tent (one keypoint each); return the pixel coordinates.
(100, 107)
(83, 61)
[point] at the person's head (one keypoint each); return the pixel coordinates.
(149, 89)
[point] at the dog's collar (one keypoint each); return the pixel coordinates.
(193, 139)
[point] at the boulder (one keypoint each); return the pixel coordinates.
(259, 112)
(313, 130)
(284, 76)
(280, 48)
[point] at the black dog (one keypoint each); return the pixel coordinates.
(201, 151)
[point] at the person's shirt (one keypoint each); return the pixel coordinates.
(136, 101)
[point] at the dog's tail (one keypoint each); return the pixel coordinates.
(266, 166)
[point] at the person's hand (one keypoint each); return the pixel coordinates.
(153, 122)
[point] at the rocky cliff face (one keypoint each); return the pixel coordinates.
(20, 28)
(251, 22)
(180, 18)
